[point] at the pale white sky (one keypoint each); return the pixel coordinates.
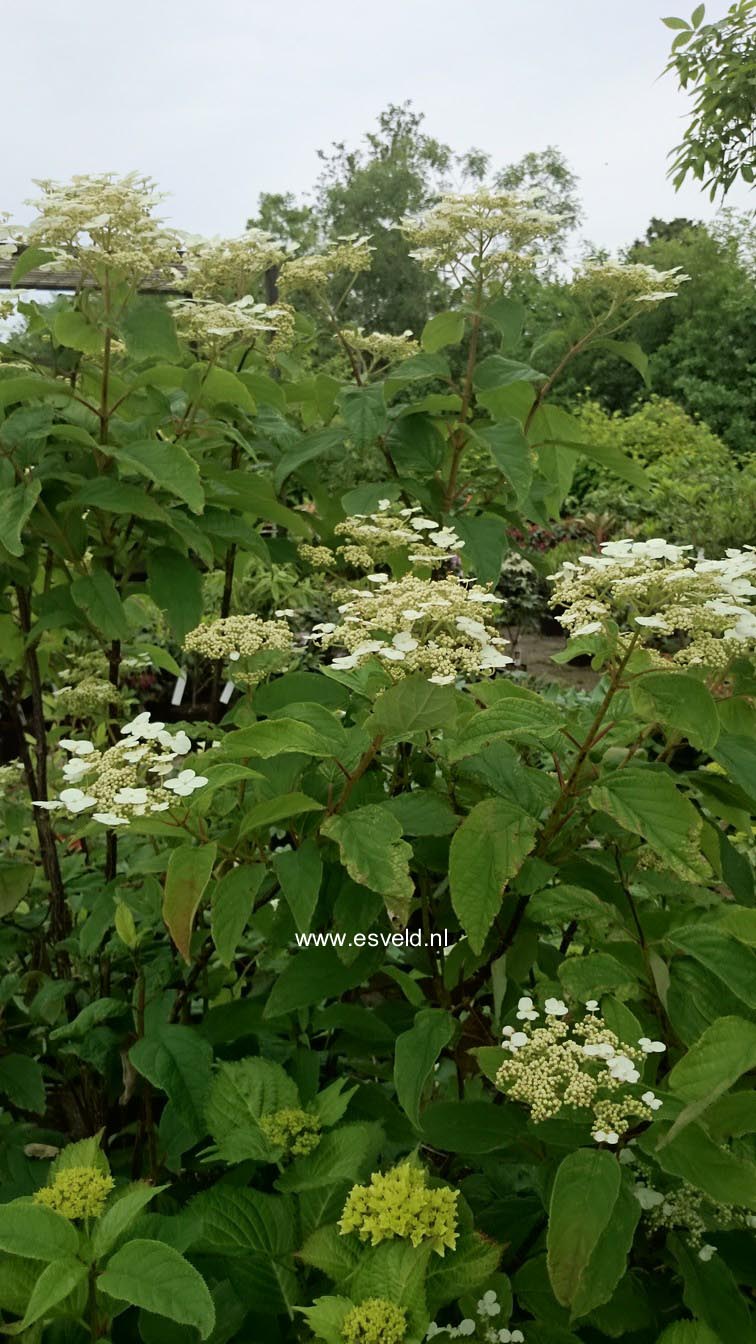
(221, 99)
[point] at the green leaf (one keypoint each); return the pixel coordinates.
(22, 1081)
(442, 330)
(270, 811)
(29, 387)
(595, 974)
(693, 1155)
(721, 955)
(29, 260)
(177, 1060)
(112, 496)
(648, 803)
(314, 974)
(71, 328)
(168, 465)
(232, 903)
(299, 872)
(486, 851)
(416, 447)
(346, 1154)
(154, 1276)
(274, 737)
(254, 1235)
(554, 427)
(423, 812)
(725, 1051)
(508, 316)
(149, 332)
(15, 881)
(320, 444)
(54, 1284)
(688, 1332)
(583, 1200)
(517, 718)
(174, 584)
(241, 1093)
(120, 1214)
(675, 23)
(213, 386)
(495, 371)
(486, 540)
(16, 507)
(696, 17)
(470, 1126)
(509, 450)
(326, 1316)
(630, 351)
(416, 1052)
(736, 755)
(678, 701)
(189, 870)
(97, 596)
(374, 854)
(36, 1232)
(711, 1292)
(412, 705)
(364, 413)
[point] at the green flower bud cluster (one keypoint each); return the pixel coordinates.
(372, 539)
(483, 235)
(374, 1321)
(399, 1203)
(294, 1130)
(77, 1192)
(232, 638)
(229, 268)
(89, 698)
(376, 349)
(212, 325)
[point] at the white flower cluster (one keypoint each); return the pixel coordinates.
(229, 268)
(348, 255)
(373, 538)
(435, 628)
(482, 235)
(648, 589)
(138, 776)
(105, 223)
(483, 1328)
(212, 325)
(620, 283)
(237, 638)
(684, 1208)
(376, 349)
(582, 1064)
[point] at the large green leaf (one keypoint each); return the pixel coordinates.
(584, 1197)
(241, 1093)
(712, 1293)
(316, 973)
(722, 955)
(177, 1060)
(415, 1055)
(270, 811)
(345, 1154)
(16, 506)
(168, 465)
(54, 1284)
(174, 584)
(120, 1214)
(509, 449)
(678, 701)
(274, 737)
(36, 1232)
(73, 329)
(233, 898)
(648, 803)
(725, 1051)
(150, 332)
(22, 1080)
(486, 851)
(300, 872)
(254, 1235)
(156, 1277)
(374, 853)
(97, 596)
(486, 539)
(441, 330)
(364, 412)
(412, 705)
(694, 1156)
(189, 870)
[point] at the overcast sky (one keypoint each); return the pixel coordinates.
(219, 100)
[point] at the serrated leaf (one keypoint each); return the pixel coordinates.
(486, 851)
(374, 853)
(189, 870)
(156, 1277)
(416, 1052)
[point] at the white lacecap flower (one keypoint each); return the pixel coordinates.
(76, 768)
(75, 800)
(440, 680)
(82, 748)
(186, 782)
(466, 1327)
(647, 1197)
(377, 578)
(706, 1252)
(424, 524)
(650, 1047)
(592, 1005)
(605, 1136)
(516, 1041)
(525, 1010)
(110, 819)
(130, 795)
(651, 1100)
(623, 1068)
(489, 1304)
(555, 1008)
(590, 628)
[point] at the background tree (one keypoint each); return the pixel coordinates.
(716, 64)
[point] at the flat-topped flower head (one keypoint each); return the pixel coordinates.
(580, 1064)
(437, 629)
(255, 646)
(620, 284)
(484, 235)
(294, 1130)
(644, 591)
(77, 1192)
(225, 269)
(376, 349)
(212, 325)
(102, 222)
(377, 538)
(137, 776)
(400, 1204)
(345, 256)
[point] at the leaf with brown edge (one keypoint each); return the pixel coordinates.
(189, 870)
